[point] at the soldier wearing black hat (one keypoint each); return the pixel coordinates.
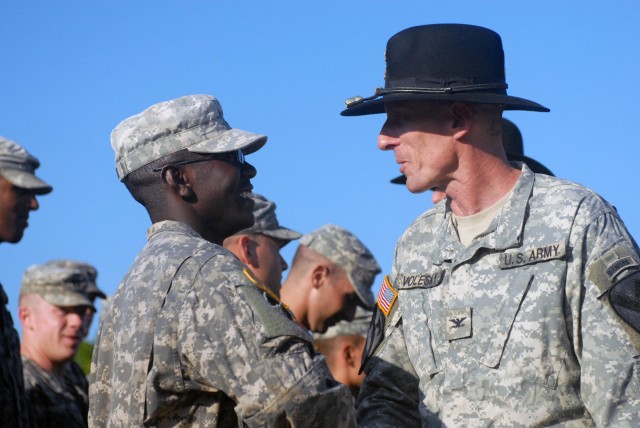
(514, 304)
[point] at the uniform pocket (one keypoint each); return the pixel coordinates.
(417, 333)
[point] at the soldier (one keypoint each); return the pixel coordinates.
(342, 345)
(514, 304)
(53, 302)
(259, 246)
(191, 337)
(18, 189)
(331, 273)
(93, 292)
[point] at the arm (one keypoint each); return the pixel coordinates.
(389, 394)
(606, 337)
(259, 358)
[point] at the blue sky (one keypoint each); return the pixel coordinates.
(72, 70)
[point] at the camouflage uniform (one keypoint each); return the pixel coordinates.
(56, 401)
(205, 346)
(12, 403)
(518, 328)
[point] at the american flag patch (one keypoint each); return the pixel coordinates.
(386, 296)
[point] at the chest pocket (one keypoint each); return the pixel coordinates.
(417, 332)
(524, 338)
(503, 316)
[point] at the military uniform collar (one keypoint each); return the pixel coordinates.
(505, 230)
(171, 226)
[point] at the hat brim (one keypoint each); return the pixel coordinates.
(283, 234)
(376, 106)
(95, 291)
(26, 180)
(67, 301)
(365, 300)
(230, 140)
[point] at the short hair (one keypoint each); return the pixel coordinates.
(145, 183)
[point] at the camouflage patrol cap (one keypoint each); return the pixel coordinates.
(18, 166)
(266, 222)
(359, 326)
(92, 287)
(347, 251)
(193, 122)
(58, 285)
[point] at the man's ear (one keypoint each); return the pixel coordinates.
(462, 119)
(249, 253)
(179, 180)
(319, 275)
(24, 314)
(349, 353)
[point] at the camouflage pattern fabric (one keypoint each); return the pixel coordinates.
(193, 122)
(516, 329)
(19, 166)
(189, 340)
(54, 401)
(62, 286)
(358, 326)
(266, 222)
(346, 250)
(12, 403)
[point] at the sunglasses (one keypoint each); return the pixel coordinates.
(235, 157)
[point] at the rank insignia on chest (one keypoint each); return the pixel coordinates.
(458, 323)
(386, 296)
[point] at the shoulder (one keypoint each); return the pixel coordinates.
(427, 222)
(557, 194)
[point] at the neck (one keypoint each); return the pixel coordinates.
(484, 181)
(292, 295)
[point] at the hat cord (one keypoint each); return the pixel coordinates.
(351, 102)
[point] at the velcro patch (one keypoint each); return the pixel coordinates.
(625, 300)
(386, 296)
(421, 280)
(458, 323)
(516, 258)
(607, 268)
(619, 258)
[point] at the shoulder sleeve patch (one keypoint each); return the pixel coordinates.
(271, 313)
(624, 297)
(610, 265)
(386, 296)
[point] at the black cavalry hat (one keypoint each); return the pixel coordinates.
(512, 142)
(443, 62)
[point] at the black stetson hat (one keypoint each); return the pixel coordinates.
(513, 147)
(443, 62)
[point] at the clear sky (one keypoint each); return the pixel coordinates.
(72, 70)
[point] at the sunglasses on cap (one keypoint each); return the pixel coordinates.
(235, 157)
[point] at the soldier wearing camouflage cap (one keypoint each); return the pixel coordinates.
(259, 246)
(93, 292)
(331, 273)
(516, 302)
(53, 303)
(191, 337)
(19, 187)
(343, 345)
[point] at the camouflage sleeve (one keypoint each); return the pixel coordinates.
(603, 289)
(389, 394)
(234, 339)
